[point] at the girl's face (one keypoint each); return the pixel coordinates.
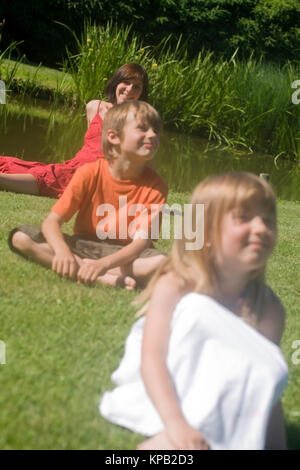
(247, 239)
(128, 90)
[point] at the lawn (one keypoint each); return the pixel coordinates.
(63, 340)
(44, 77)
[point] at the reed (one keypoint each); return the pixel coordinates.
(231, 102)
(101, 51)
(8, 73)
(35, 92)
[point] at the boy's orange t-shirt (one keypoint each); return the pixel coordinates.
(112, 209)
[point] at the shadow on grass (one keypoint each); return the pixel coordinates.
(293, 436)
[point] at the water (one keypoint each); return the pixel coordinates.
(182, 160)
(23, 138)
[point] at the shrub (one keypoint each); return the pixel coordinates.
(259, 27)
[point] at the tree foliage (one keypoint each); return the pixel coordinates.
(269, 28)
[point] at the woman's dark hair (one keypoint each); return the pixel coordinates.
(124, 73)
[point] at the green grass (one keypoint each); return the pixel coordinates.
(63, 340)
(34, 81)
(44, 76)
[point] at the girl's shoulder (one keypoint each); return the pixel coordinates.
(171, 283)
(272, 321)
(167, 291)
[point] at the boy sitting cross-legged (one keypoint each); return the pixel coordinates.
(117, 201)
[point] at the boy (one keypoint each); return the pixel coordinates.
(117, 198)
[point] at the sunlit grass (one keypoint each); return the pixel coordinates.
(44, 76)
(63, 340)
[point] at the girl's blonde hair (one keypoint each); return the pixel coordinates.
(116, 118)
(219, 194)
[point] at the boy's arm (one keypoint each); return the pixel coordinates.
(155, 373)
(91, 269)
(63, 261)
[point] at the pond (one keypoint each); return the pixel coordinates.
(182, 160)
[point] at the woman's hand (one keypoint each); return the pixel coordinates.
(183, 437)
(90, 269)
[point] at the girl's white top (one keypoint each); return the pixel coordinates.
(227, 377)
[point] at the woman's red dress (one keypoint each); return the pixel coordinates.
(53, 178)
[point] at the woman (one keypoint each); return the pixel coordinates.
(129, 82)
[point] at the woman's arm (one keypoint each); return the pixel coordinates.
(92, 109)
(156, 376)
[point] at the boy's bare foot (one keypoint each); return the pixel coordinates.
(158, 442)
(114, 278)
(118, 281)
(127, 282)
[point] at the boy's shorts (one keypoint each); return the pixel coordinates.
(80, 246)
(83, 247)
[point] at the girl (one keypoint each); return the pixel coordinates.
(129, 82)
(208, 379)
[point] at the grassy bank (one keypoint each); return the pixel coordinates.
(237, 103)
(33, 81)
(42, 76)
(63, 341)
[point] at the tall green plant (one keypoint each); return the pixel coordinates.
(232, 102)
(101, 51)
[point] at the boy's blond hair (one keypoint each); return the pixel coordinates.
(116, 118)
